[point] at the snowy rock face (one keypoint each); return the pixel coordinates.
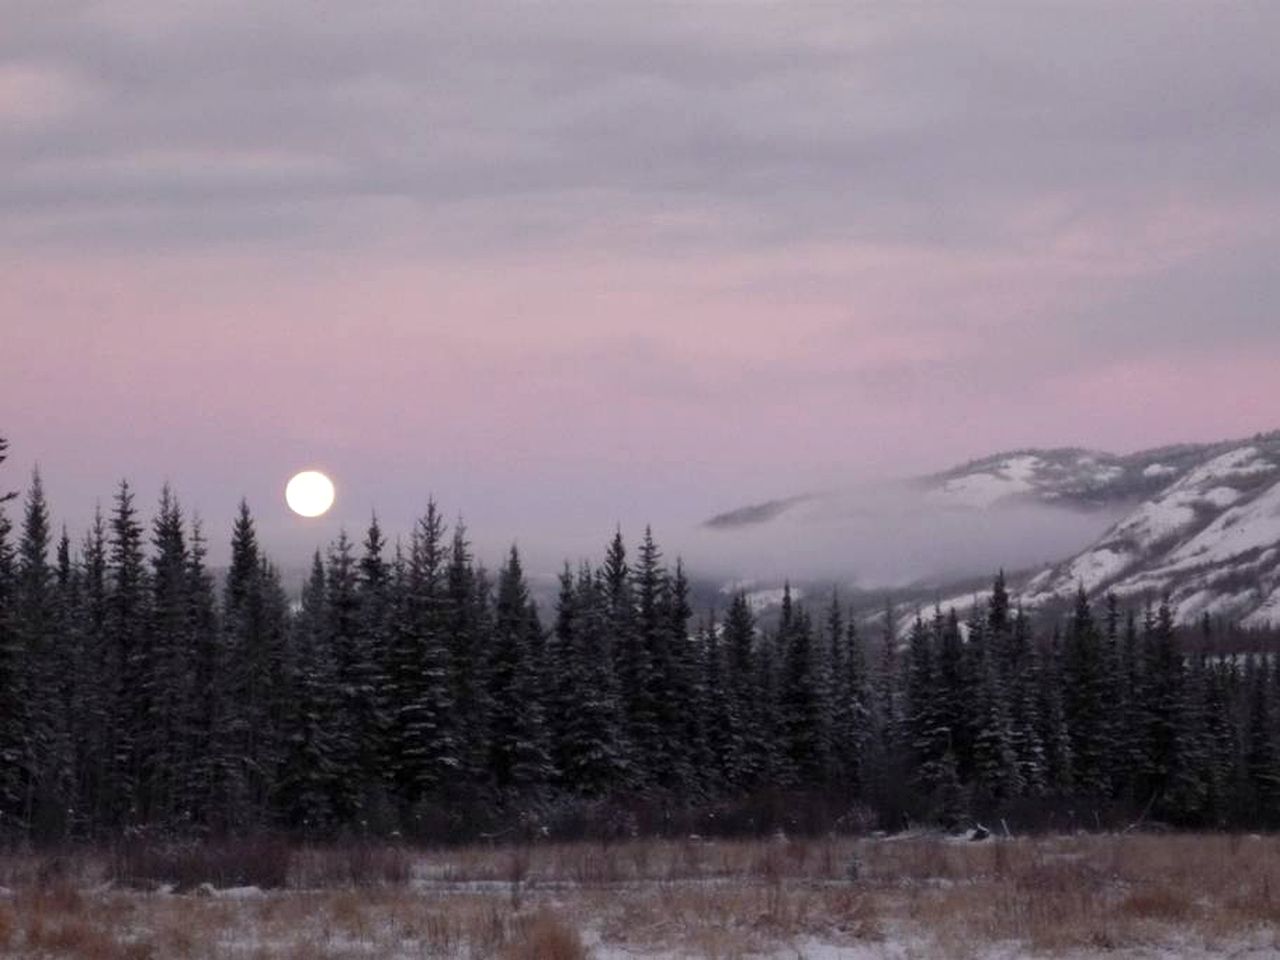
(1209, 541)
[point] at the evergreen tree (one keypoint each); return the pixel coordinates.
(723, 738)
(518, 748)
(425, 754)
(996, 772)
(1084, 686)
(13, 734)
(165, 670)
(1163, 699)
(651, 712)
(630, 659)
(1261, 760)
(374, 628)
(36, 639)
(853, 719)
(932, 738)
(91, 727)
(467, 630)
(802, 706)
(206, 709)
(749, 760)
(62, 820)
(128, 692)
(1023, 672)
(585, 713)
(249, 736)
(1054, 733)
(676, 691)
(306, 786)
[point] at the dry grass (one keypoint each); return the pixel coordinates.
(690, 898)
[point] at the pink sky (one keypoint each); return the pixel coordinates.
(593, 272)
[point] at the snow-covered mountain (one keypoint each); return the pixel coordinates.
(1209, 541)
(1069, 477)
(1198, 524)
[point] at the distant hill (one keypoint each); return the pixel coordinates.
(1200, 524)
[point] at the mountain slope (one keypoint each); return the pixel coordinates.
(1209, 542)
(1198, 524)
(1068, 476)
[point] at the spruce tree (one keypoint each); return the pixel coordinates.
(1164, 705)
(747, 766)
(802, 703)
(1261, 758)
(306, 789)
(630, 660)
(723, 738)
(1024, 704)
(126, 634)
(519, 758)
(467, 631)
(12, 710)
(1054, 733)
(92, 724)
(249, 735)
(36, 628)
(676, 691)
(1084, 686)
(652, 724)
(166, 670)
(585, 716)
(425, 751)
(205, 706)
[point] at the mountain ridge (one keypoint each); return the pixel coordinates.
(1198, 526)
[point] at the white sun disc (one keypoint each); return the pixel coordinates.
(309, 493)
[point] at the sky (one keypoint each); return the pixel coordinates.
(569, 265)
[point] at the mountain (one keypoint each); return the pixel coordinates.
(1209, 541)
(1198, 524)
(1068, 477)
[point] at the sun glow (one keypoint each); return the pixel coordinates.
(309, 494)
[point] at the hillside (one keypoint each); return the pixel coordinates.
(1197, 523)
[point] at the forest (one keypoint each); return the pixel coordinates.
(410, 692)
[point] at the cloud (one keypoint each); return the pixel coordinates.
(515, 124)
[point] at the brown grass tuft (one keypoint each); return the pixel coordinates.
(544, 936)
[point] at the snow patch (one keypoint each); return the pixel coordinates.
(1267, 613)
(231, 893)
(1008, 478)
(1107, 474)
(764, 599)
(1222, 496)
(1159, 470)
(1250, 526)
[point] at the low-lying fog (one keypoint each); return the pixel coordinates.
(872, 536)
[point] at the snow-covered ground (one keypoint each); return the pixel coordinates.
(868, 898)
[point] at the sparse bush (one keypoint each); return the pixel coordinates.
(1157, 903)
(544, 936)
(351, 865)
(259, 862)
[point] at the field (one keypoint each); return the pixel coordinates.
(859, 898)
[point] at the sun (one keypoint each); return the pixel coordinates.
(309, 493)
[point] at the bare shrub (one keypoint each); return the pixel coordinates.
(352, 865)
(260, 862)
(544, 936)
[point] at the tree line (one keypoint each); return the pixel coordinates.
(411, 691)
